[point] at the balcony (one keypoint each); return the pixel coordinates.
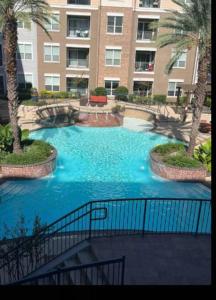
(78, 27)
(149, 3)
(146, 36)
(78, 58)
(79, 2)
(144, 61)
(144, 31)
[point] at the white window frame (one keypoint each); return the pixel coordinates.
(51, 23)
(177, 64)
(24, 25)
(114, 25)
(113, 57)
(176, 82)
(25, 44)
(51, 45)
(111, 89)
(52, 75)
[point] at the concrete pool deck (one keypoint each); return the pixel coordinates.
(160, 259)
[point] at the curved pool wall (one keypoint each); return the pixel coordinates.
(92, 163)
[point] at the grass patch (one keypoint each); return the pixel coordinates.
(183, 161)
(33, 103)
(33, 152)
(168, 148)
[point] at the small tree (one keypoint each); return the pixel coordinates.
(12, 11)
(190, 28)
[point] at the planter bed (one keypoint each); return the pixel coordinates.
(30, 171)
(170, 172)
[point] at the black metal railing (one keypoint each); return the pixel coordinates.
(107, 272)
(105, 218)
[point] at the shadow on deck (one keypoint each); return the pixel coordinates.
(160, 259)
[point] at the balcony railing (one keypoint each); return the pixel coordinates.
(149, 3)
(78, 33)
(144, 66)
(146, 35)
(80, 63)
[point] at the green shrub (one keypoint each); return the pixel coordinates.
(203, 154)
(121, 93)
(182, 100)
(117, 109)
(159, 98)
(33, 103)
(207, 102)
(168, 148)
(182, 160)
(6, 138)
(100, 91)
(33, 152)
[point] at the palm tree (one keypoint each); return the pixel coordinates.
(12, 11)
(190, 28)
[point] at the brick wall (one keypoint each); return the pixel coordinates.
(30, 171)
(101, 120)
(175, 173)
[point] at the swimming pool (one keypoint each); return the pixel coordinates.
(93, 163)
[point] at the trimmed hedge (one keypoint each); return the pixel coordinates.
(121, 93)
(182, 160)
(160, 98)
(168, 148)
(33, 152)
(100, 91)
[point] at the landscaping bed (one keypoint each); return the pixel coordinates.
(37, 158)
(172, 162)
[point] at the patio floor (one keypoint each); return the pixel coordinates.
(160, 259)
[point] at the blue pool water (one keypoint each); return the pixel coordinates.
(93, 163)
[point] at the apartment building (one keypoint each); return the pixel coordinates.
(102, 43)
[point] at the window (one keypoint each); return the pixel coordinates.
(114, 24)
(110, 86)
(78, 58)
(149, 3)
(181, 62)
(78, 26)
(54, 24)
(52, 83)
(172, 89)
(79, 85)
(25, 80)
(24, 25)
(113, 57)
(51, 53)
(1, 60)
(24, 51)
(79, 2)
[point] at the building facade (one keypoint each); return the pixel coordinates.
(106, 43)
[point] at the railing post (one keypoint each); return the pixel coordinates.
(90, 221)
(144, 216)
(198, 217)
(123, 270)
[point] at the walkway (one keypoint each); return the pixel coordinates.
(160, 259)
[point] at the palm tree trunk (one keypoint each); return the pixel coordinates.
(200, 94)
(10, 47)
